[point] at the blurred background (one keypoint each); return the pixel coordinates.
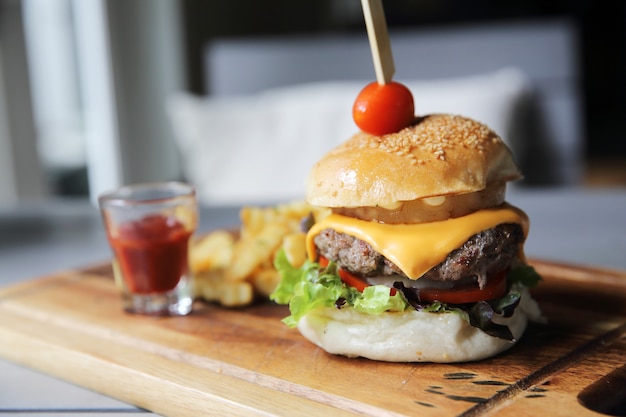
(97, 93)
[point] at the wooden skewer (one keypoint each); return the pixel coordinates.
(379, 40)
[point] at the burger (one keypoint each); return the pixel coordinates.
(420, 258)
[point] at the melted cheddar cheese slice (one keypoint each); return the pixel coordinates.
(416, 248)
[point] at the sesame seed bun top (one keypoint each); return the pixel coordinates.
(438, 155)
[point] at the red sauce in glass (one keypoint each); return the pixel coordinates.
(152, 253)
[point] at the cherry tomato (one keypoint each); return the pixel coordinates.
(495, 287)
(380, 109)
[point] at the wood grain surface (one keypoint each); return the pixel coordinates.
(246, 362)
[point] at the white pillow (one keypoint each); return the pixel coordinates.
(259, 148)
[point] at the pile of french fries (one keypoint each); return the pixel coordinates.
(233, 268)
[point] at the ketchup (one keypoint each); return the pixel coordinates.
(152, 253)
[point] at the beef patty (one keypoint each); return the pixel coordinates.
(486, 252)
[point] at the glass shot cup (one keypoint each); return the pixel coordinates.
(149, 227)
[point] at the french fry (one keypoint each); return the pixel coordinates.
(265, 280)
(213, 251)
(232, 269)
(211, 286)
(236, 294)
(294, 245)
(251, 252)
(207, 285)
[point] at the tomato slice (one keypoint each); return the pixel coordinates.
(350, 279)
(494, 288)
(380, 109)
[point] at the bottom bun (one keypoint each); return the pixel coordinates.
(411, 336)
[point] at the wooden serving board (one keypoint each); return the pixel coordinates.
(246, 362)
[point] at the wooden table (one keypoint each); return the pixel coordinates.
(246, 362)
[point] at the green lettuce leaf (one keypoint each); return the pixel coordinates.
(524, 275)
(312, 286)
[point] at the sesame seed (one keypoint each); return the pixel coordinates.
(435, 134)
